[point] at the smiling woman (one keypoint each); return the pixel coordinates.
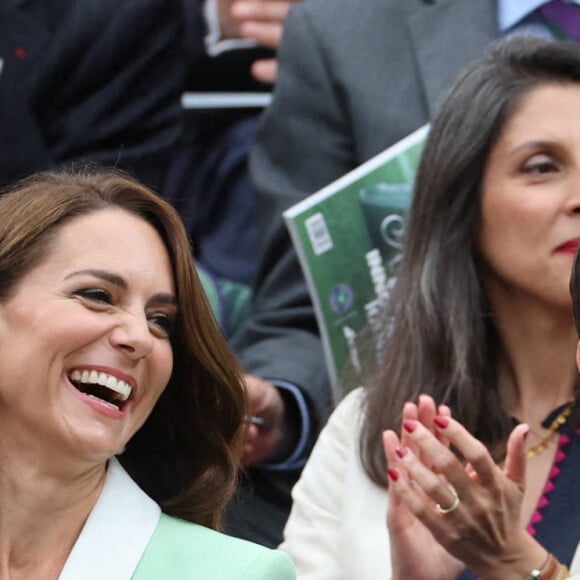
(479, 325)
(109, 349)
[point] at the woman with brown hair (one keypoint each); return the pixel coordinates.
(121, 406)
(479, 321)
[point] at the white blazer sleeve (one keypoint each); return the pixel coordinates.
(575, 565)
(311, 536)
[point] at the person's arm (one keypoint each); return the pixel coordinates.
(311, 536)
(106, 87)
(300, 148)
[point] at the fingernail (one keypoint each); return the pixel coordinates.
(441, 422)
(409, 425)
(526, 434)
(393, 473)
(401, 451)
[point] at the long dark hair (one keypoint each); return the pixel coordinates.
(187, 453)
(442, 340)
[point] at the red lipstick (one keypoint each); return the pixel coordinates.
(569, 247)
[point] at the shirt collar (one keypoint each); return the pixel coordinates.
(116, 533)
(511, 12)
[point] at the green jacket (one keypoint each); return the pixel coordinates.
(127, 537)
(180, 550)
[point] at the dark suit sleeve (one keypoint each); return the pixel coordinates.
(302, 145)
(107, 85)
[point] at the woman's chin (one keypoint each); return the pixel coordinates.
(97, 450)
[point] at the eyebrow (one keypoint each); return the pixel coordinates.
(114, 279)
(534, 144)
(120, 282)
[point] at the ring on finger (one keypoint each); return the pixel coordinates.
(454, 505)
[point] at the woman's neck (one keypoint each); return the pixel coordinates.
(537, 369)
(42, 514)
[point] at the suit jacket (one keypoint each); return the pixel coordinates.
(97, 80)
(337, 529)
(355, 77)
(126, 536)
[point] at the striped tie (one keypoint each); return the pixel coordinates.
(563, 18)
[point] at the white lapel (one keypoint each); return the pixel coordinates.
(116, 532)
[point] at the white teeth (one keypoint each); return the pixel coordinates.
(103, 379)
(120, 387)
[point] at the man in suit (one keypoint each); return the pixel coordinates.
(101, 81)
(355, 76)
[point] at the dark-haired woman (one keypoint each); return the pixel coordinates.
(479, 321)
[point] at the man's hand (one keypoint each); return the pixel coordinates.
(258, 20)
(262, 21)
(264, 440)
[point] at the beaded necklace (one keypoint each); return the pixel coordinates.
(560, 420)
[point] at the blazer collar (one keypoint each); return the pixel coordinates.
(447, 35)
(116, 532)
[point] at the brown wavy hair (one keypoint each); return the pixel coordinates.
(186, 455)
(441, 337)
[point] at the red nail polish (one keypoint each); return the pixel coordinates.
(441, 422)
(393, 474)
(401, 451)
(526, 434)
(409, 425)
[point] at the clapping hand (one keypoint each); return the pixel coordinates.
(415, 554)
(445, 512)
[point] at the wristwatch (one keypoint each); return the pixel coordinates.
(550, 570)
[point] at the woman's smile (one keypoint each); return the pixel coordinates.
(109, 388)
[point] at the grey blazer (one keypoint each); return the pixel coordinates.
(355, 76)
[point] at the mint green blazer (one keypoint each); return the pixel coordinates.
(126, 536)
(180, 550)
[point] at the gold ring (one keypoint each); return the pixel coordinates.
(453, 506)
